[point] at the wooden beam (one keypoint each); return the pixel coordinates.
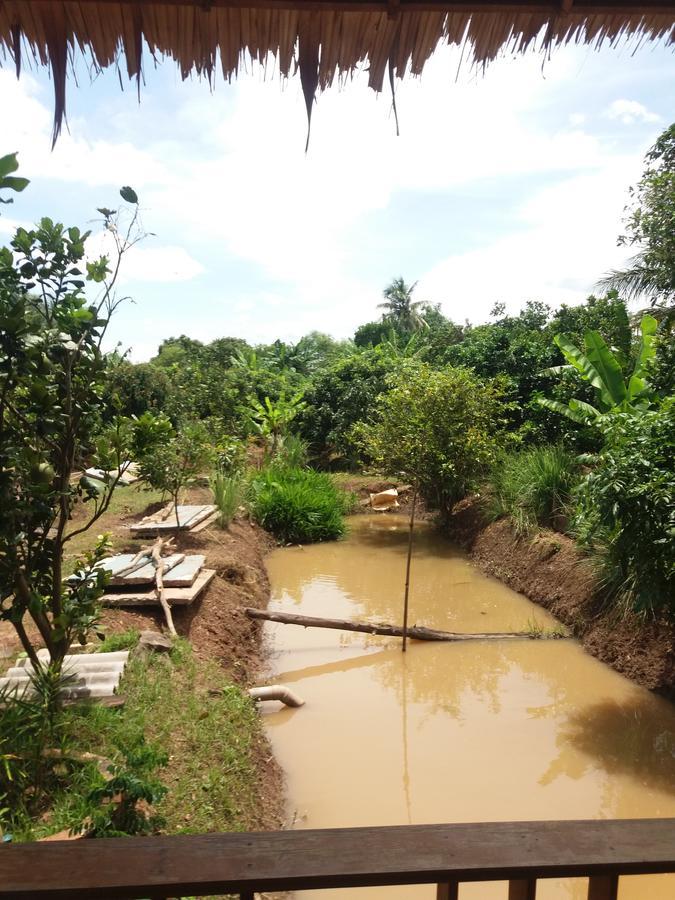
(551, 8)
(418, 632)
(206, 864)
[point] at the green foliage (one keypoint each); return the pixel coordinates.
(9, 182)
(115, 809)
(297, 505)
(148, 433)
(174, 464)
(227, 496)
(650, 227)
(28, 726)
(272, 418)
(534, 487)
(293, 452)
(626, 511)
(599, 367)
(340, 396)
(441, 429)
(401, 311)
(135, 389)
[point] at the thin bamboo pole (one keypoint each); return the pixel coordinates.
(407, 570)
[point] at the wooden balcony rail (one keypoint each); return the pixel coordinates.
(445, 855)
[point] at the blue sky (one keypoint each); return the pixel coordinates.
(502, 187)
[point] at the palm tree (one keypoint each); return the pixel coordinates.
(401, 309)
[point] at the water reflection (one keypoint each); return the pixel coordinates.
(452, 732)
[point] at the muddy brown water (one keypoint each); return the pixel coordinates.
(470, 732)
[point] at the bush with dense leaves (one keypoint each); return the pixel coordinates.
(626, 508)
(341, 395)
(440, 429)
(298, 505)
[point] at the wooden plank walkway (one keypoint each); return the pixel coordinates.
(446, 855)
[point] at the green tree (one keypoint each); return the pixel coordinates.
(400, 308)
(650, 227)
(173, 465)
(439, 428)
(133, 389)
(52, 377)
(339, 396)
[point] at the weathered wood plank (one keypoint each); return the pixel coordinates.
(176, 596)
(144, 571)
(351, 857)
(188, 517)
(419, 632)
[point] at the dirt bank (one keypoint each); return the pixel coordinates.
(551, 571)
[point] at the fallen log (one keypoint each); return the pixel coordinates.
(418, 632)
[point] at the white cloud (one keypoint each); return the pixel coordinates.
(225, 179)
(628, 112)
(146, 263)
(562, 242)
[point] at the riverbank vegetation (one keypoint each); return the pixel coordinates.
(560, 418)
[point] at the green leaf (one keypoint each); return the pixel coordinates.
(578, 359)
(129, 194)
(613, 389)
(14, 184)
(647, 351)
(584, 409)
(555, 406)
(8, 163)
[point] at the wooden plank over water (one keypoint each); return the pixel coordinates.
(351, 857)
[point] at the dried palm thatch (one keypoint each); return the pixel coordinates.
(323, 39)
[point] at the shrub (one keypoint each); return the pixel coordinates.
(227, 493)
(534, 487)
(298, 505)
(440, 429)
(626, 512)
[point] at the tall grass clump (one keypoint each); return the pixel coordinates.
(534, 487)
(227, 495)
(298, 505)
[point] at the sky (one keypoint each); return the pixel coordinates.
(503, 187)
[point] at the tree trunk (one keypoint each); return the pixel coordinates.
(419, 632)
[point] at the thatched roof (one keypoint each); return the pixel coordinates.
(324, 39)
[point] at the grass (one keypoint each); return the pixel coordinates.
(227, 496)
(123, 640)
(184, 709)
(534, 487)
(298, 505)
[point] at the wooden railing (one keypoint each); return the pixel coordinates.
(520, 853)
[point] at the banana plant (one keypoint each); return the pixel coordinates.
(272, 418)
(602, 369)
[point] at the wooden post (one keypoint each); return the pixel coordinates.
(603, 887)
(407, 570)
(522, 889)
(448, 890)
